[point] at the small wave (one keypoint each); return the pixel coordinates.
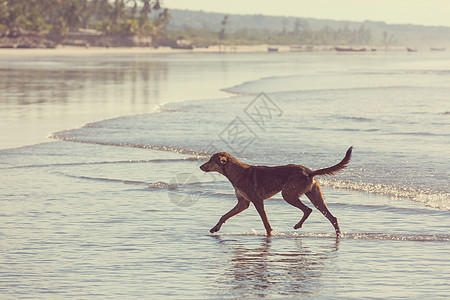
(388, 208)
(402, 72)
(158, 185)
(358, 119)
(350, 236)
(112, 180)
(103, 179)
(254, 88)
(338, 129)
(419, 133)
(399, 237)
(105, 163)
(431, 199)
(61, 136)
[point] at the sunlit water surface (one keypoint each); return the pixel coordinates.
(115, 206)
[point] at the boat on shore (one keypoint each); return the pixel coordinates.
(343, 49)
(411, 49)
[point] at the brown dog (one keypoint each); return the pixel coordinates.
(257, 183)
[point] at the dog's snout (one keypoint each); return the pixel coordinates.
(203, 167)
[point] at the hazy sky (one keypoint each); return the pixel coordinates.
(422, 12)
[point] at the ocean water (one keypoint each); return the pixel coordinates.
(101, 195)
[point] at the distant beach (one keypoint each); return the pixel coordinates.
(74, 50)
(118, 50)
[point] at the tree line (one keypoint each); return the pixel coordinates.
(256, 29)
(304, 36)
(323, 36)
(58, 17)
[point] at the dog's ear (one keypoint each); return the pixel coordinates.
(223, 160)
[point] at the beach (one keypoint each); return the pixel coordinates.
(102, 196)
(74, 50)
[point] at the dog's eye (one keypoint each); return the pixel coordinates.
(223, 160)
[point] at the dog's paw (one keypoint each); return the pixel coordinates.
(214, 229)
(297, 226)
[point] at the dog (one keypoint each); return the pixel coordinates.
(256, 183)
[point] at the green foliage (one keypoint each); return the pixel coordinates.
(119, 27)
(35, 22)
(252, 29)
(132, 17)
(61, 16)
(59, 29)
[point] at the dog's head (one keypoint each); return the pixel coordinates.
(217, 162)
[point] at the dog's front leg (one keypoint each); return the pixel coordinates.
(260, 208)
(240, 206)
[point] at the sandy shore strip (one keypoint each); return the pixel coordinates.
(71, 50)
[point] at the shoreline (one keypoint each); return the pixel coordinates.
(138, 50)
(75, 50)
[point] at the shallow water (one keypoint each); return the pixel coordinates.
(118, 207)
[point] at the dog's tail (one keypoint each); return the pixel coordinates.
(336, 168)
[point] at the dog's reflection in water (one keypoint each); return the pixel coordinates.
(267, 266)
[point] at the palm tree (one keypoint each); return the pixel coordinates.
(101, 9)
(145, 11)
(222, 31)
(76, 14)
(164, 18)
(119, 11)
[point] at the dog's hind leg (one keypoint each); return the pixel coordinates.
(292, 197)
(242, 204)
(316, 197)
